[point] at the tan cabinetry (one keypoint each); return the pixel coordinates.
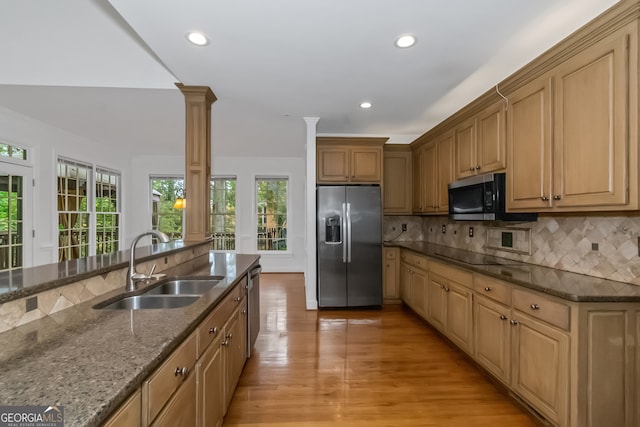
(181, 409)
(492, 342)
(391, 277)
(129, 414)
(210, 387)
(349, 160)
(413, 282)
(433, 171)
(579, 157)
(450, 299)
(397, 180)
(480, 142)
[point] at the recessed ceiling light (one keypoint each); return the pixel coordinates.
(405, 40)
(197, 38)
(365, 105)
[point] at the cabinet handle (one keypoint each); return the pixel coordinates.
(544, 198)
(243, 311)
(181, 371)
(446, 289)
(225, 342)
(472, 168)
(487, 289)
(557, 197)
(503, 317)
(535, 307)
(237, 299)
(229, 335)
(213, 330)
(478, 167)
(514, 322)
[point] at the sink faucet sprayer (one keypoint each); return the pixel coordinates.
(134, 276)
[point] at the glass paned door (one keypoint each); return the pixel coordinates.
(15, 222)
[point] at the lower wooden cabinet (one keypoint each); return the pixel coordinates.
(181, 409)
(540, 366)
(211, 391)
(128, 414)
(492, 339)
(437, 296)
(391, 275)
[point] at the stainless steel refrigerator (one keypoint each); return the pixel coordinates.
(349, 239)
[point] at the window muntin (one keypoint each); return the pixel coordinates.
(223, 213)
(107, 211)
(73, 215)
(271, 208)
(164, 217)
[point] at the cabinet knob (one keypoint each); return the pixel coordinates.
(487, 289)
(181, 371)
(478, 167)
(503, 317)
(544, 198)
(446, 289)
(213, 330)
(514, 322)
(225, 343)
(237, 299)
(472, 168)
(535, 307)
(244, 311)
(557, 197)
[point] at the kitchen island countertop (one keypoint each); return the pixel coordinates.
(563, 284)
(89, 361)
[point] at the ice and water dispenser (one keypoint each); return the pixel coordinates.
(332, 230)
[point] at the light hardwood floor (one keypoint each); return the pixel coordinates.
(358, 368)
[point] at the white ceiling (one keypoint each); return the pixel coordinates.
(107, 70)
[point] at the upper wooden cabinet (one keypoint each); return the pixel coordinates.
(432, 173)
(579, 156)
(397, 180)
(349, 160)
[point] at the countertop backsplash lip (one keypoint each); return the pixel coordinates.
(91, 360)
(30, 281)
(566, 285)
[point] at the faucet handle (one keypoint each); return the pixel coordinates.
(153, 268)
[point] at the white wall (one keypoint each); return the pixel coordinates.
(245, 169)
(46, 143)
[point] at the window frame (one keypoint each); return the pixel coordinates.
(288, 240)
(176, 177)
(90, 195)
(211, 214)
(117, 212)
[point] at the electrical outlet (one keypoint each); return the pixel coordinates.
(444, 228)
(404, 227)
(470, 231)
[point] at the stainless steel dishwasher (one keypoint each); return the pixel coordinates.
(253, 307)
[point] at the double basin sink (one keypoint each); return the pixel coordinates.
(173, 293)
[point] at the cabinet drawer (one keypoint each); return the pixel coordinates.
(542, 308)
(167, 378)
(492, 288)
(212, 326)
(454, 274)
(415, 260)
(390, 253)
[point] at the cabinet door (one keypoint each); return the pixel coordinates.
(491, 143)
(405, 283)
(128, 415)
(540, 366)
(465, 149)
(591, 122)
(418, 287)
(397, 182)
(444, 172)
(529, 147)
(459, 316)
(419, 180)
(429, 166)
(211, 385)
(366, 164)
(181, 409)
(492, 343)
(391, 273)
(333, 164)
(437, 301)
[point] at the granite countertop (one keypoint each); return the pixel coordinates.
(559, 283)
(24, 282)
(90, 361)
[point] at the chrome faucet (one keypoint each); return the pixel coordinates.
(135, 277)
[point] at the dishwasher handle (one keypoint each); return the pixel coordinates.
(255, 271)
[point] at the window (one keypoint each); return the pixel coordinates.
(107, 211)
(164, 216)
(11, 221)
(223, 213)
(271, 207)
(73, 216)
(13, 152)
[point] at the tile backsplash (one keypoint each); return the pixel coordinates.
(601, 246)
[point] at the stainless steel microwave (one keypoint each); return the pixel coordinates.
(482, 197)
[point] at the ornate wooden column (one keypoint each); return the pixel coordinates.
(197, 171)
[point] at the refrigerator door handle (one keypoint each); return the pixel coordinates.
(342, 231)
(348, 232)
